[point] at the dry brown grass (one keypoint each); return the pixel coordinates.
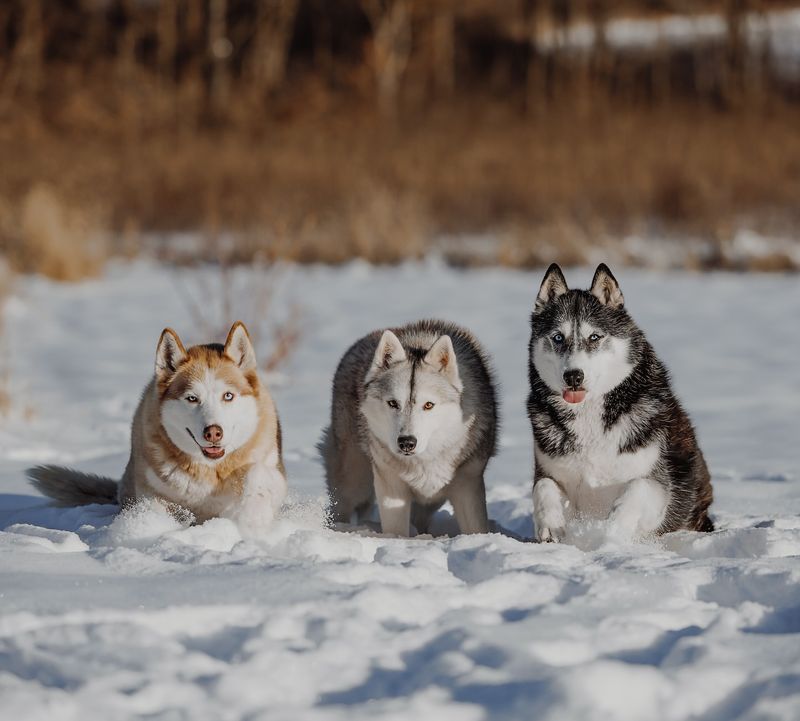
(344, 185)
(361, 129)
(40, 233)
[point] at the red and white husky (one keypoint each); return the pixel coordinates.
(205, 438)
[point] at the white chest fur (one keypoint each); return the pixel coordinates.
(179, 487)
(427, 475)
(264, 490)
(595, 474)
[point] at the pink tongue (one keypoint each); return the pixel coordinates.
(574, 396)
(214, 452)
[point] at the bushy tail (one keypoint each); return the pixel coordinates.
(324, 445)
(68, 487)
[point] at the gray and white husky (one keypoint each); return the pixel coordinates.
(610, 438)
(413, 423)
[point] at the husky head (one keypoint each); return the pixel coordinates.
(581, 340)
(209, 393)
(412, 397)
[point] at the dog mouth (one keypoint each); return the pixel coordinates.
(574, 395)
(212, 452)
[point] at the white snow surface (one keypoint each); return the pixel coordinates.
(134, 616)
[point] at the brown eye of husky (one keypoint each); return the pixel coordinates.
(228, 396)
(427, 406)
(393, 404)
(192, 399)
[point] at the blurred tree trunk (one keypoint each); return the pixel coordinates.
(126, 70)
(167, 52)
(219, 49)
(535, 64)
(29, 52)
(444, 47)
(599, 13)
(662, 78)
(322, 41)
(167, 40)
(273, 34)
(94, 34)
(192, 82)
(391, 48)
(760, 59)
(6, 10)
(596, 69)
(736, 51)
(126, 50)
(561, 16)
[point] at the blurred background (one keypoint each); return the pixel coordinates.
(516, 132)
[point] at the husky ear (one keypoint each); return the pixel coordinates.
(389, 351)
(553, 285)
(170, 353)
(239, 347)
(605, 288)
(442, 357)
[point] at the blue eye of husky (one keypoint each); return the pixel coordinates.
(192, 399)
(227, 396)
(393, 404)
(558, 338)
(594, 337)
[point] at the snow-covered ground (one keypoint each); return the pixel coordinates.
(104, 618)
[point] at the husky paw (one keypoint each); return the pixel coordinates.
(549, 504)
(639, 511)
(264, 492)
(550, 535)
(253, 516)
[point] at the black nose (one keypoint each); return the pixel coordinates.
(407, 444)
(573, 378)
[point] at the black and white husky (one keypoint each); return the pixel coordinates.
(610, 438)
(413, 424)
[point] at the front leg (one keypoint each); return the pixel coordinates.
(182, 515)
(263, 492)
(640, 510)
(549, 504)
(468, 497)
(394, 502)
